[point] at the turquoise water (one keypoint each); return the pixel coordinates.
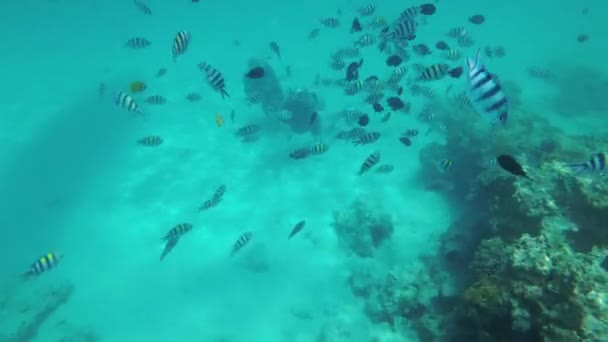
(75, 182)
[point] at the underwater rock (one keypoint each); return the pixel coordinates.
(303, 105)
(267, 90)
(362, 228)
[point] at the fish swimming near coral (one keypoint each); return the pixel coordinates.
(511, 165)
(485, 93)
(595, 164)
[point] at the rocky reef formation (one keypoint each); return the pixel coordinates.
(362, 228)
(527, 255)
(298, 109)
(23, 313)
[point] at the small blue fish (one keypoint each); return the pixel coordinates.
(597, 163)
(43, 264)
(485, 92)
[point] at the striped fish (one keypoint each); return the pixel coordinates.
(241, 242)
(214, 78)
(367, 10)
(433, 72)
(248, 130)
(367, 138)
(180, 43)
(219, 193)
(208, 204)
(152, 140)
(125, 101)
(137, 43)
(275, 48)
(318, 148)
(369, 162)
(43, 264)
(403, 29)
(169, 247)
(444, 165)
(156, 100)
(596, 164)
(485, 92)
(178, 231)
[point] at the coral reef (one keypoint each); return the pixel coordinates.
(32, 313)
(301, 105)
(362, 228)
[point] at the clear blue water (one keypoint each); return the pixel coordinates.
(74, 181)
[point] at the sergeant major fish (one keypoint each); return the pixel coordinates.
(485, 92)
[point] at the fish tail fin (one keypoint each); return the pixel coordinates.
(26, 275)
(224, 94)
(578, 168)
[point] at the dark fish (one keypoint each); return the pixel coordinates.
(297, 229)
(169, 247)
(510, 165)
(356, 26)
(300, 153)
(395, 103)
(363, 120)
(242, 241)
(441, 45)
(421, 49)
(369, 162)
(314, 34)
(456, 72)
(394, 60)
(152, 140)
(257, 72)
(400, 90)
(352, 71)
(137, 43)
(313, 118)
(214, 78)
(143, 8)
(275, 48)
(582, 38)
(378, 107)
(477, 19)
(427, 9)
(161, 72)
(405, 141)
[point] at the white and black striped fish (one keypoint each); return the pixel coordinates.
(125, 101)
(367, 10)
(403, 29)
(485, 93)
(178, 231)
(43, 264)
(137, 43)
(180, 43)
(596, 164)
(369, 162)
(367, 138)
(214, 78)
(241, 242)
